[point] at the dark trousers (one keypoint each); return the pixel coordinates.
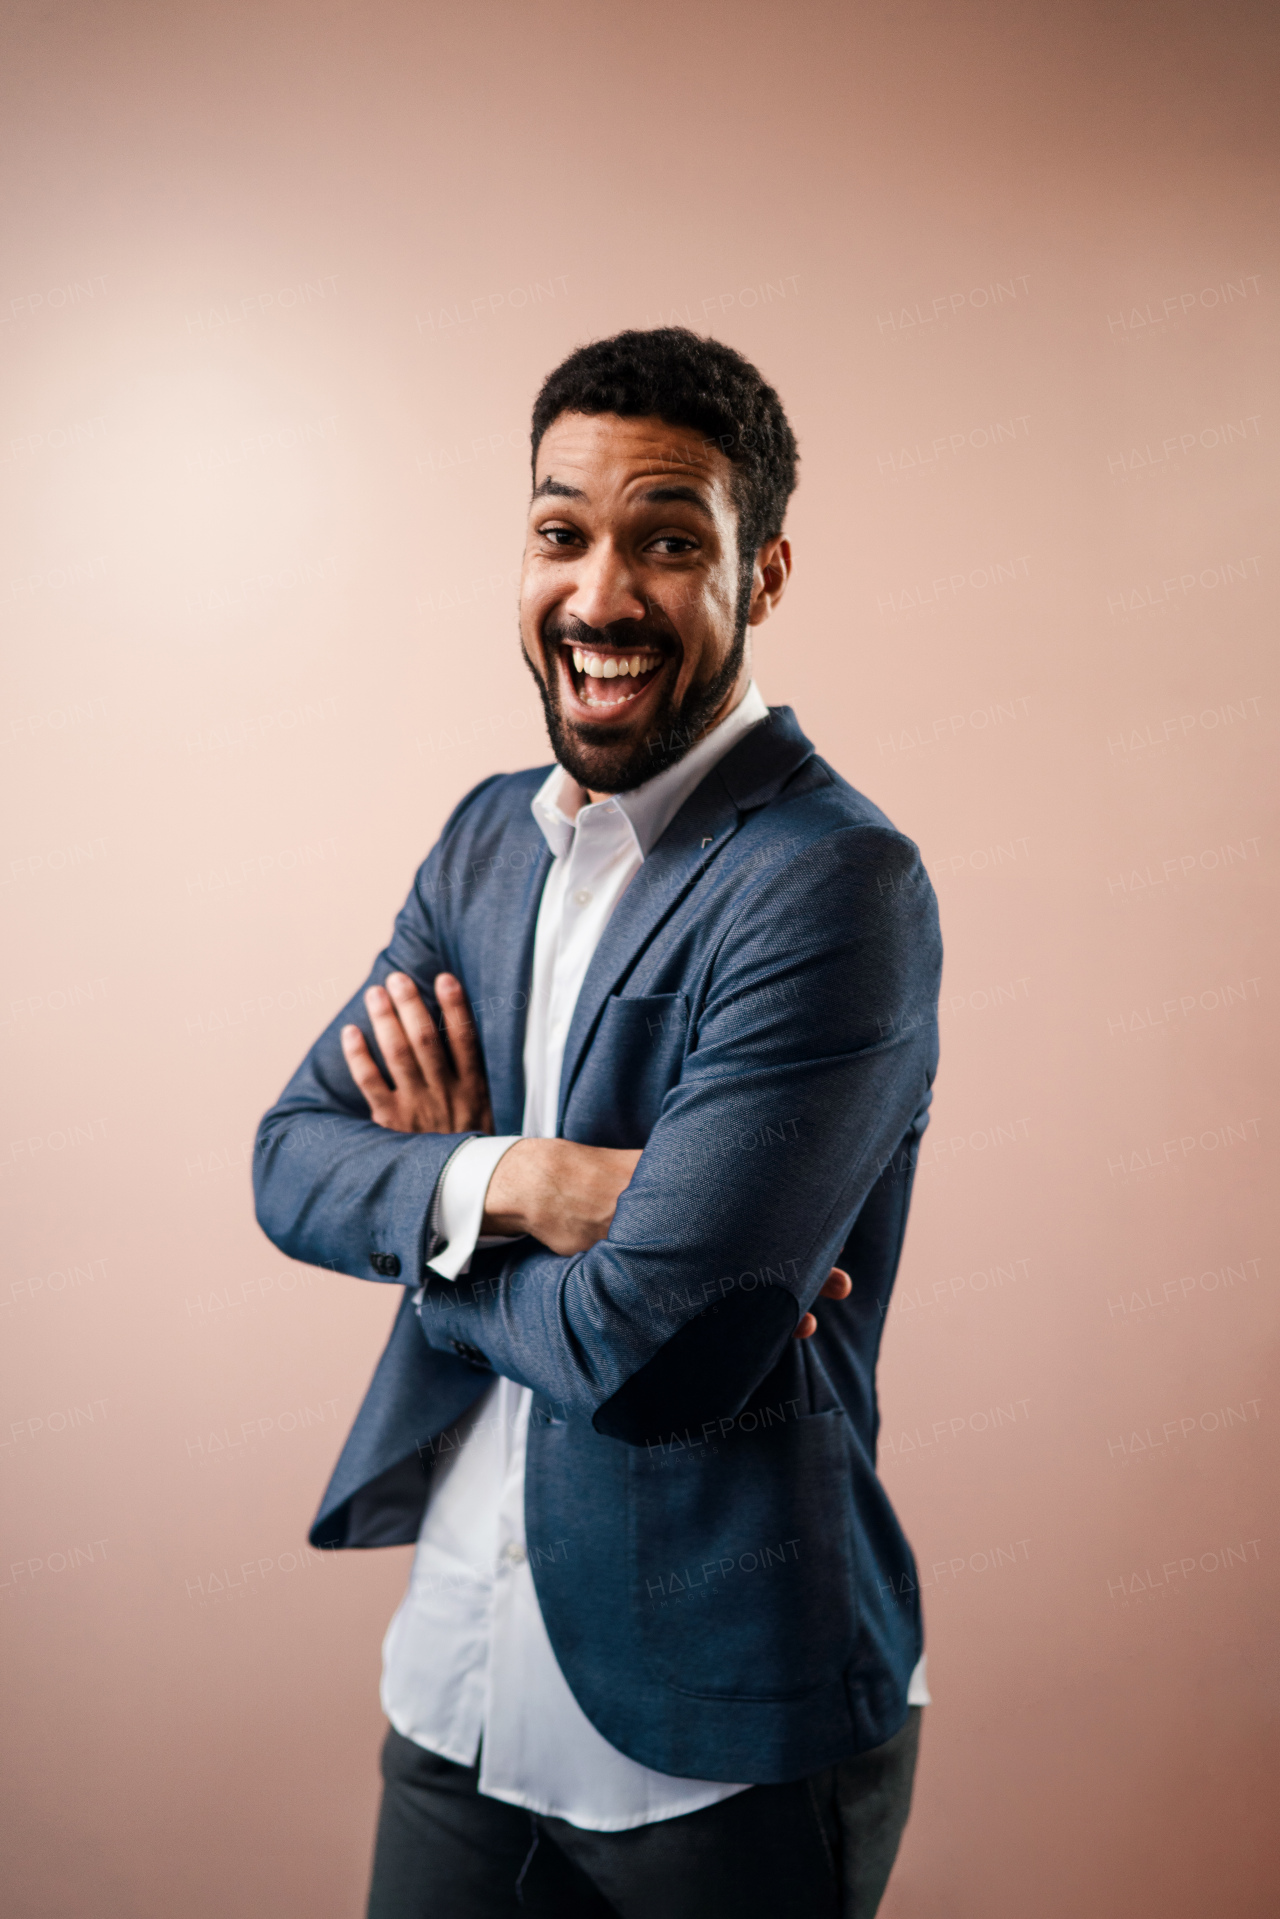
(817, 1848)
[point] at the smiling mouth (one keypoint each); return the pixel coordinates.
(609, 679)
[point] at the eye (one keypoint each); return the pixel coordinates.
(673, 544)
(559, 535)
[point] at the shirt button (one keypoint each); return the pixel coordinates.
(582, 897)
(514, 1552)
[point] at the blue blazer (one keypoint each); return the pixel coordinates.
(723, 1580)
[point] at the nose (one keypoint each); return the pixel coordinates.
(605, 588)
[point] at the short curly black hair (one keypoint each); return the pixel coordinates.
(673, 374)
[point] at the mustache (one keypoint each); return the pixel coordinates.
(568, 630)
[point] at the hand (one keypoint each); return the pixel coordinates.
(437, 1089)
(563, 1193)
(836, 1285)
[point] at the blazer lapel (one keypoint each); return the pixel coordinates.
(746, 777)
(509, 966)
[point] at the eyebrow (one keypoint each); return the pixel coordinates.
(656, 496)
(558, 489)
(668, 495)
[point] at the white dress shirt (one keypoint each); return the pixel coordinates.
(467, 1653)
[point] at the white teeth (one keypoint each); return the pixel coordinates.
(606, 667)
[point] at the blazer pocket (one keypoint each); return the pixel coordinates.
(741, 1556)
(634, 1061)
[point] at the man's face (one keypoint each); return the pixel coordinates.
(631, 615)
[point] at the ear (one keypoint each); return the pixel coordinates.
(769, 581)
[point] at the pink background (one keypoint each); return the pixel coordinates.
(279, 283)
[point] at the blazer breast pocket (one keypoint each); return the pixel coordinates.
(634, 1061)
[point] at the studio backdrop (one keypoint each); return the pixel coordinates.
(279, 285)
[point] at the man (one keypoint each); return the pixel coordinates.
(629, 1109)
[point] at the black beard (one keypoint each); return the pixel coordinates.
(595, 756)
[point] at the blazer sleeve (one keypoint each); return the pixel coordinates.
(808, 1070)
(330, 1186)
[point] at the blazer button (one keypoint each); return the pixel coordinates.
(472, 1354)
(385, 1263)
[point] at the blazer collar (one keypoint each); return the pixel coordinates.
(759, 766)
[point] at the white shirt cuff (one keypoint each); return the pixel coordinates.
(918, 1685)
(459, 1207)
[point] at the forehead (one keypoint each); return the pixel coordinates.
(612, 452)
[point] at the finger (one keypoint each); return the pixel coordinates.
(837, 1285)
(464, 1041)
(363, 1068)
(392, 1038)
(428, 1048)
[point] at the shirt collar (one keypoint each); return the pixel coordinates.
(649, 809)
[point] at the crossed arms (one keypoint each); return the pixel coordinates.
(555, 1190)
(628, 1252)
